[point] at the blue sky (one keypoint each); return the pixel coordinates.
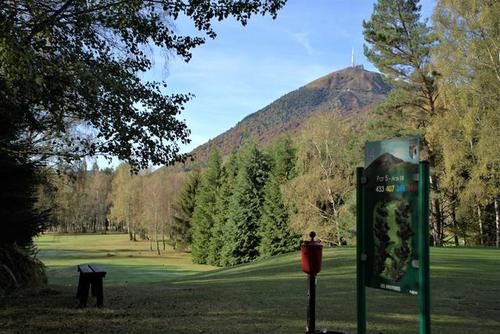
(246, 68)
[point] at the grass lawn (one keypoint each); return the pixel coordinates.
(146, 293)
(126, 262)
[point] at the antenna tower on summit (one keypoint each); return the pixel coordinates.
(353, 64)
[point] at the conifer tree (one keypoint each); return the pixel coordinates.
(205, 208)
(275, 233)
(241, 231)
(228, 177)
(183, 208)
(399, 45)
(284, 158)
(20, 219)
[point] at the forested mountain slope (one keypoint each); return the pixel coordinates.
(348, 91)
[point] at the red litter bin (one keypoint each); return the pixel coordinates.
(311, 253)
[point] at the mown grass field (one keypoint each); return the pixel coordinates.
(146, 293)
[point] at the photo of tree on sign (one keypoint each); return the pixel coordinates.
(392, 233)
(392, 218)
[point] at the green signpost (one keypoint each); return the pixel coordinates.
(392, 224)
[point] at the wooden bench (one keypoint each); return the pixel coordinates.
(90, 277)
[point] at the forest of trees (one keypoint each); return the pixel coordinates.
(103, 201)
(257, 203)
(71, 87)
(446, 90)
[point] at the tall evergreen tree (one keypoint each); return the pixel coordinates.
(183, 211)
(216, 245)
(20, 220)
(276, 235)
(205, 208)
(241, 231)
(399, 45)
(284, 158)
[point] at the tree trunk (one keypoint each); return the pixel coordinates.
(335, 215)
(481, 235)
(497, 221)
(134, 231)
(437, 223)
(441, 226)
(455, 225)
(339, 237)
(436, 215)
(163, 239)
(157, 242)
(130, 231)
(83, 225)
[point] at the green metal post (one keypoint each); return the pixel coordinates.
(424, 303)
(360, 253)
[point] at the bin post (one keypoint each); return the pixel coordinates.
(311, 306)
(311, 254)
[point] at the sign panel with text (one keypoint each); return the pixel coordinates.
(391, 214)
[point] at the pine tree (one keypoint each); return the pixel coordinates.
(20, 219)
(241, 231)
(276, 235)
(216, 245)
(183, 208)
(400, 45)
(205, 208)
(284, 158)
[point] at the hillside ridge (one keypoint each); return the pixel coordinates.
(349, 91)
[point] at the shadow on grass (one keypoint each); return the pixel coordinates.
(463, 266)
(266, 306)
(280, 267)
(120, 274)
(267, 296)
(276, 304)
(57, 253)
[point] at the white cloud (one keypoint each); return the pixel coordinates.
(302, 38)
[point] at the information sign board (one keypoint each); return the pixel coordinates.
(391, 215)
